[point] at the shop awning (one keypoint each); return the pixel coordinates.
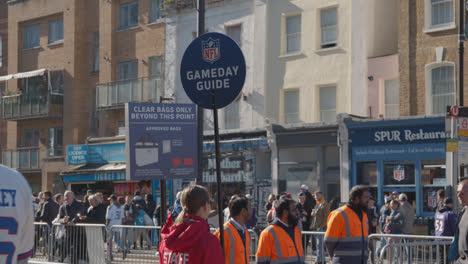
(28, 74)
(95, 172)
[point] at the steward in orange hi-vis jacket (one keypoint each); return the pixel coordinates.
(236, 235)
(347, 229)
(281, 242)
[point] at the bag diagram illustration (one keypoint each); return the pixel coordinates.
(146, 150)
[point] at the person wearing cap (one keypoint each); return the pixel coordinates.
(253, 220)
(236, 235)
(385, 212)
(395, 195)
(114, 215)
(445, 223)
(408, 211)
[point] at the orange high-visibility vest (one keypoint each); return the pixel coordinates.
(346, 236)
(234, 249)
(276, 246)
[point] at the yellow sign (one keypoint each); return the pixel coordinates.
(463, 133)
(452, 145)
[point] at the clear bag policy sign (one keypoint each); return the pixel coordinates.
(161, 141)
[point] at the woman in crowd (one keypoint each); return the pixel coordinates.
(189, 237)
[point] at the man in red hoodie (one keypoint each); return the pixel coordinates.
(188, 240)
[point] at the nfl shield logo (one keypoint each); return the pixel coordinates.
(432, 199)
(399, 173)
(210, 50)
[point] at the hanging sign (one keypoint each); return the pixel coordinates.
(213, 63)
(399, 173)
(432, 199)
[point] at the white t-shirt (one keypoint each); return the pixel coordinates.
(16, 217)
(115, 215)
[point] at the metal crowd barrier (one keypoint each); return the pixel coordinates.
(253, 242)
(388, 248)
(133, 244)
(41, 234)
(314, 247)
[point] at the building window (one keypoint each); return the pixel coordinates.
(391, 98)
(55, 30)
(55, 147)
(328, 27)
(293, 34)
(155, 10)
(232, 115)
(155, 66)
(128, 70)
(31, 36)
(440, 91)
(234, 32)
(441, 13)
(328, 104)
(31, 138)
(122, 130)
(291, 106)
(128, 15)
(95, 67)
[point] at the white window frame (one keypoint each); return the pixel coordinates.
(284, 42)
(283, 113)
(428, 26)
(319, 104)
(319, 23)
(382, 107)
(59, 27)
(428, 92)
(26, 29)
(128, 23)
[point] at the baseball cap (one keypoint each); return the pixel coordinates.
(402, 197)
(395, 192)
(113, 197)
(388, 199)
(302, 194)
(304, 187)
(248, 196)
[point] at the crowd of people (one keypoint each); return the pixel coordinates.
(186, 233)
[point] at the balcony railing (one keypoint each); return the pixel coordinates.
(23, 158)
(17, 107)
(116, 94)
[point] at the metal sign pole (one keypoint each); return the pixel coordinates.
(200, 115)
(218, 172)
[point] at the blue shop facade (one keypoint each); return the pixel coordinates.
(407, 155)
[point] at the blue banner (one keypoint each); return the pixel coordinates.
(97, 176)
(77, 154)
(399, 152)
(161, 141)
(398, 135)
(96, 153)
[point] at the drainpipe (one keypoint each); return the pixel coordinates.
(271, 138)
(343, 144)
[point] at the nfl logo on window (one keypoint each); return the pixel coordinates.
(210, 50)
(399, 173)
(432, 199)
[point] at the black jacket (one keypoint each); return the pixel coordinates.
(95, 216)
(72, 210)
(49, 212)
(133, 215)
(309, 206)
(138, 200)
(150, 206)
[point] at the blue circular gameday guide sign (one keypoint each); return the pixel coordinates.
(215, 63)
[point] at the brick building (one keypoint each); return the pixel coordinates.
(72, 64)
(3, 60)
(428, 56)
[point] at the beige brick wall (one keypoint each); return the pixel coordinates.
(416, 50)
